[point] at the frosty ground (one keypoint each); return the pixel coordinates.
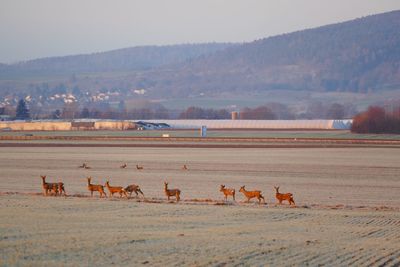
(347, 207)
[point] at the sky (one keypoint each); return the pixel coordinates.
(32, 29)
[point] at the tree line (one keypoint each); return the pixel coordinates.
(269, 111)
(377, 120)
(374, 120)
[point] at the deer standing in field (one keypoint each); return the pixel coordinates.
(227, 192)
(123, 166)
(133, 188)
(48, 187)
(95, 187)
(116, 189)
(281, 197)
(61, 189)
(172, 192)
(84, 166)
(139, 167)
(184, 167)
(252, 194)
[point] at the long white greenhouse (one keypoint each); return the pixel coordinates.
(258, 124)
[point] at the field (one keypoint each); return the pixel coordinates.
(327, 134)
(347, 208)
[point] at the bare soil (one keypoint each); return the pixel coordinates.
(347, 207)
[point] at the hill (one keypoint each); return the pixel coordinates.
(356, 56)
(359, 57)
(121, 60)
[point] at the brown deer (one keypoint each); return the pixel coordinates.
(95, 187)
(84, 166)
(139, 167)
(172, 192)
(184, 167)
(281, 197)
(61, 189)
(133, 188)
(123, 166)
(252, 194)
(227, 192)
(116, 189)
(48, 187)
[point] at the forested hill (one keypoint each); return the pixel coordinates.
(359, 55)
(127, 59)
(362, 55)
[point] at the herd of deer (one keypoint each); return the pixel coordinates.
(123, 166)
(58, 189)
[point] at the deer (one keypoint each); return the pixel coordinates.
(252, 194)
(133, 188)
(84, 166)
(48, 186)
(95, 187)
(139, 167)
(123, 166)
(172, 192)
(227, 192)
(184, 167)
(116, 189)
(281, 197)
(60, 188)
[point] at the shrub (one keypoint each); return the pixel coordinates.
(376, 120)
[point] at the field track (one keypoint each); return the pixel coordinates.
(191, 142)
(202, 140)
(191, 145)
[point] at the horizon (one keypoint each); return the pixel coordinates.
(65, 35)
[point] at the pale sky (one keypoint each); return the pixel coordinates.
(41, 28)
